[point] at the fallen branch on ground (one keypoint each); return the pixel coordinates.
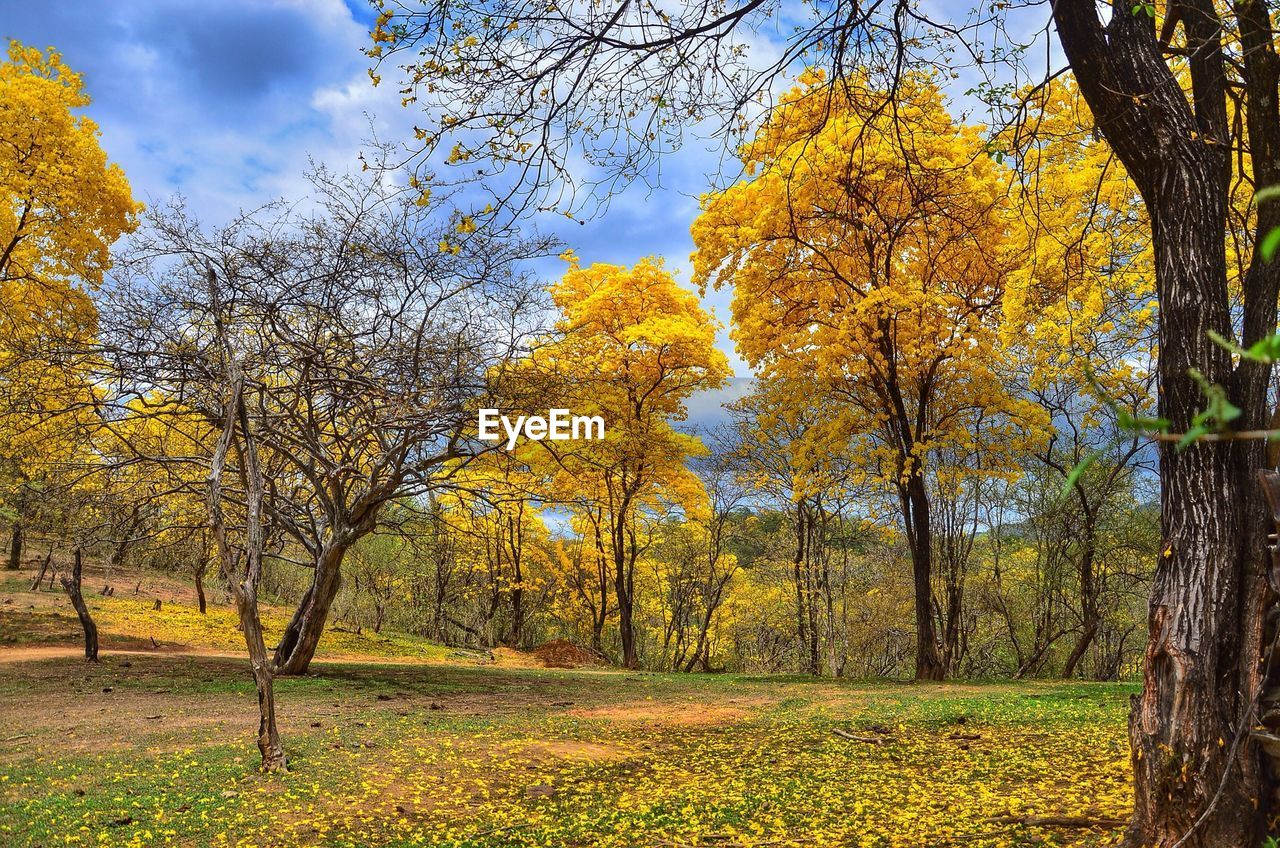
(852, 737)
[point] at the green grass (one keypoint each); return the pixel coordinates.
(394, 741)
(124, 621)
(503, 760)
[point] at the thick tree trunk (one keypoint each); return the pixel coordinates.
(302, 635)
(72, 584)
(15, 547)
(915, 510)
(1192, 785)
(1202, 649)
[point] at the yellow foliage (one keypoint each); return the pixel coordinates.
(63, 204)
(869, 249)
(1084, 297)
(631, 347)
(61, 207)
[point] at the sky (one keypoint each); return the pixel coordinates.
(226, 103)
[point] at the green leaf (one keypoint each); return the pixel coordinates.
(1271, 192)
(1270, 243)
(1265, 350)
(1076, 473)
(1190, 436)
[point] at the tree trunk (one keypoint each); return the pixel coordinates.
(623, 581)
(701, 648)
(242, 569)
(600, 615)
(1091, 620)
(915, 510)
(515, 542)
(1192, 786)
(798, 564)
(269, 744)
(302, 635)
(72, 585)
(15, 547)
(44, 567)
(516, 633)
(200, 599)
(813, 553)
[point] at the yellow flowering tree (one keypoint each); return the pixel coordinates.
(869, 249)
(62, 205)
(631, 346)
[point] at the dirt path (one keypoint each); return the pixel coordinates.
(32, 653)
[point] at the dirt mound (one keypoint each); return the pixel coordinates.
(561, 653)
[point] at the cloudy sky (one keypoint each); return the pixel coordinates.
(226, 102)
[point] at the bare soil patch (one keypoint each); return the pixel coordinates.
(561, 653)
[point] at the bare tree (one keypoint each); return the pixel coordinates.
(241, 564)
(727, 494)
(366, 331)
(72, 584)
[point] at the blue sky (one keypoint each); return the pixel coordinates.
(226, 102)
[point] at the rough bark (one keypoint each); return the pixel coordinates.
(71, 583)
(302, 635)
(914, 498)
(1201, 663)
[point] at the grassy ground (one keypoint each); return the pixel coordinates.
(129, 620)
(157, 749)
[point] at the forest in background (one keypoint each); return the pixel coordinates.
(931, 474)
